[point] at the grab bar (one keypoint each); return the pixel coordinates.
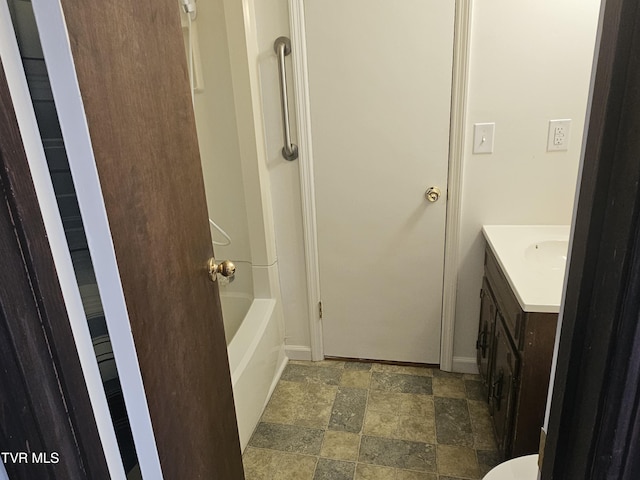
(282, 47)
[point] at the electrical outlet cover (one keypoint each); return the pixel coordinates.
(558, 139)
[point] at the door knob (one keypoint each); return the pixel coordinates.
(432, 194)
(225, 268)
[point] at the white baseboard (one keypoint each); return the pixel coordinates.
(460, 364)
(298, 352)
(465, 365)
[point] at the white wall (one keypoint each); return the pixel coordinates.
(218, 135)
(272, 21)
(530, 63)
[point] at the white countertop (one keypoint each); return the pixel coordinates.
(533, 259)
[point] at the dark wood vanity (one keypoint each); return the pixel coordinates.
(514, 351)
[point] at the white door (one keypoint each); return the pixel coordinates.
(380, 90)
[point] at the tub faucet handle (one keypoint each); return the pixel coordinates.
(225, 268)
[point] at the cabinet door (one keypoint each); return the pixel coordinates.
(484, 344)
(503, 386)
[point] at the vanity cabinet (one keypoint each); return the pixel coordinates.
(503, 385)
(514, 351)
(484, 344)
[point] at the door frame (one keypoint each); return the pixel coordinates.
(592, 421)
(462, 34)
(45, 400)
(43, 189)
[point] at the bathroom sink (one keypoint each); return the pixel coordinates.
(533, 259)
(550, 254)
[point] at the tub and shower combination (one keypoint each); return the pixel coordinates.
(255, 349)
(236, 189)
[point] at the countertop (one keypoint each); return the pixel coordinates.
(533, 259)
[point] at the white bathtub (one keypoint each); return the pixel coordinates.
(256, 361)
(235, 306)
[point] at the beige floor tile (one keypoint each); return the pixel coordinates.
(482, 425)
(262, 464)
(340, 445)
(356, 378)
(258, 463)
(407, 370)
(409, 475)
(412, 404)
(416, 428)
(385, 402)
(313, 418)
(304, 404)
(282, 407)
(457, 461)
(449, 387)
(373, 472)
(380, 424)
(315, 409)
(289, 466)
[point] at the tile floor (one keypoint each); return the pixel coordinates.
(336, 420)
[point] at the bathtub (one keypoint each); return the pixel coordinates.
(235, 306)
(256, 360)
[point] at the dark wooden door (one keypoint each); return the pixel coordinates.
(132, 72)
(502, 393)
(484, 344)
(594, 420)
(44, 403)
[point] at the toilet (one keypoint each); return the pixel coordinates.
(521, 468)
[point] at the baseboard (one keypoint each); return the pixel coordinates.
(460, 364)
(465, 365)
(298, 352)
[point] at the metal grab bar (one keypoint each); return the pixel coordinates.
(282, 47)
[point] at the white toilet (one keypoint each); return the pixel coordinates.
(521, 468)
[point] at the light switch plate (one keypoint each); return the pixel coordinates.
(558, 139)
(483, 137)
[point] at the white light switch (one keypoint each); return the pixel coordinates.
(558, 139)
(483, 137)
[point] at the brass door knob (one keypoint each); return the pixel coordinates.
(225, 268)
(432, 194)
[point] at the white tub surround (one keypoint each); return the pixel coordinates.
(256, 361)
(235, 161)
(533, 259)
